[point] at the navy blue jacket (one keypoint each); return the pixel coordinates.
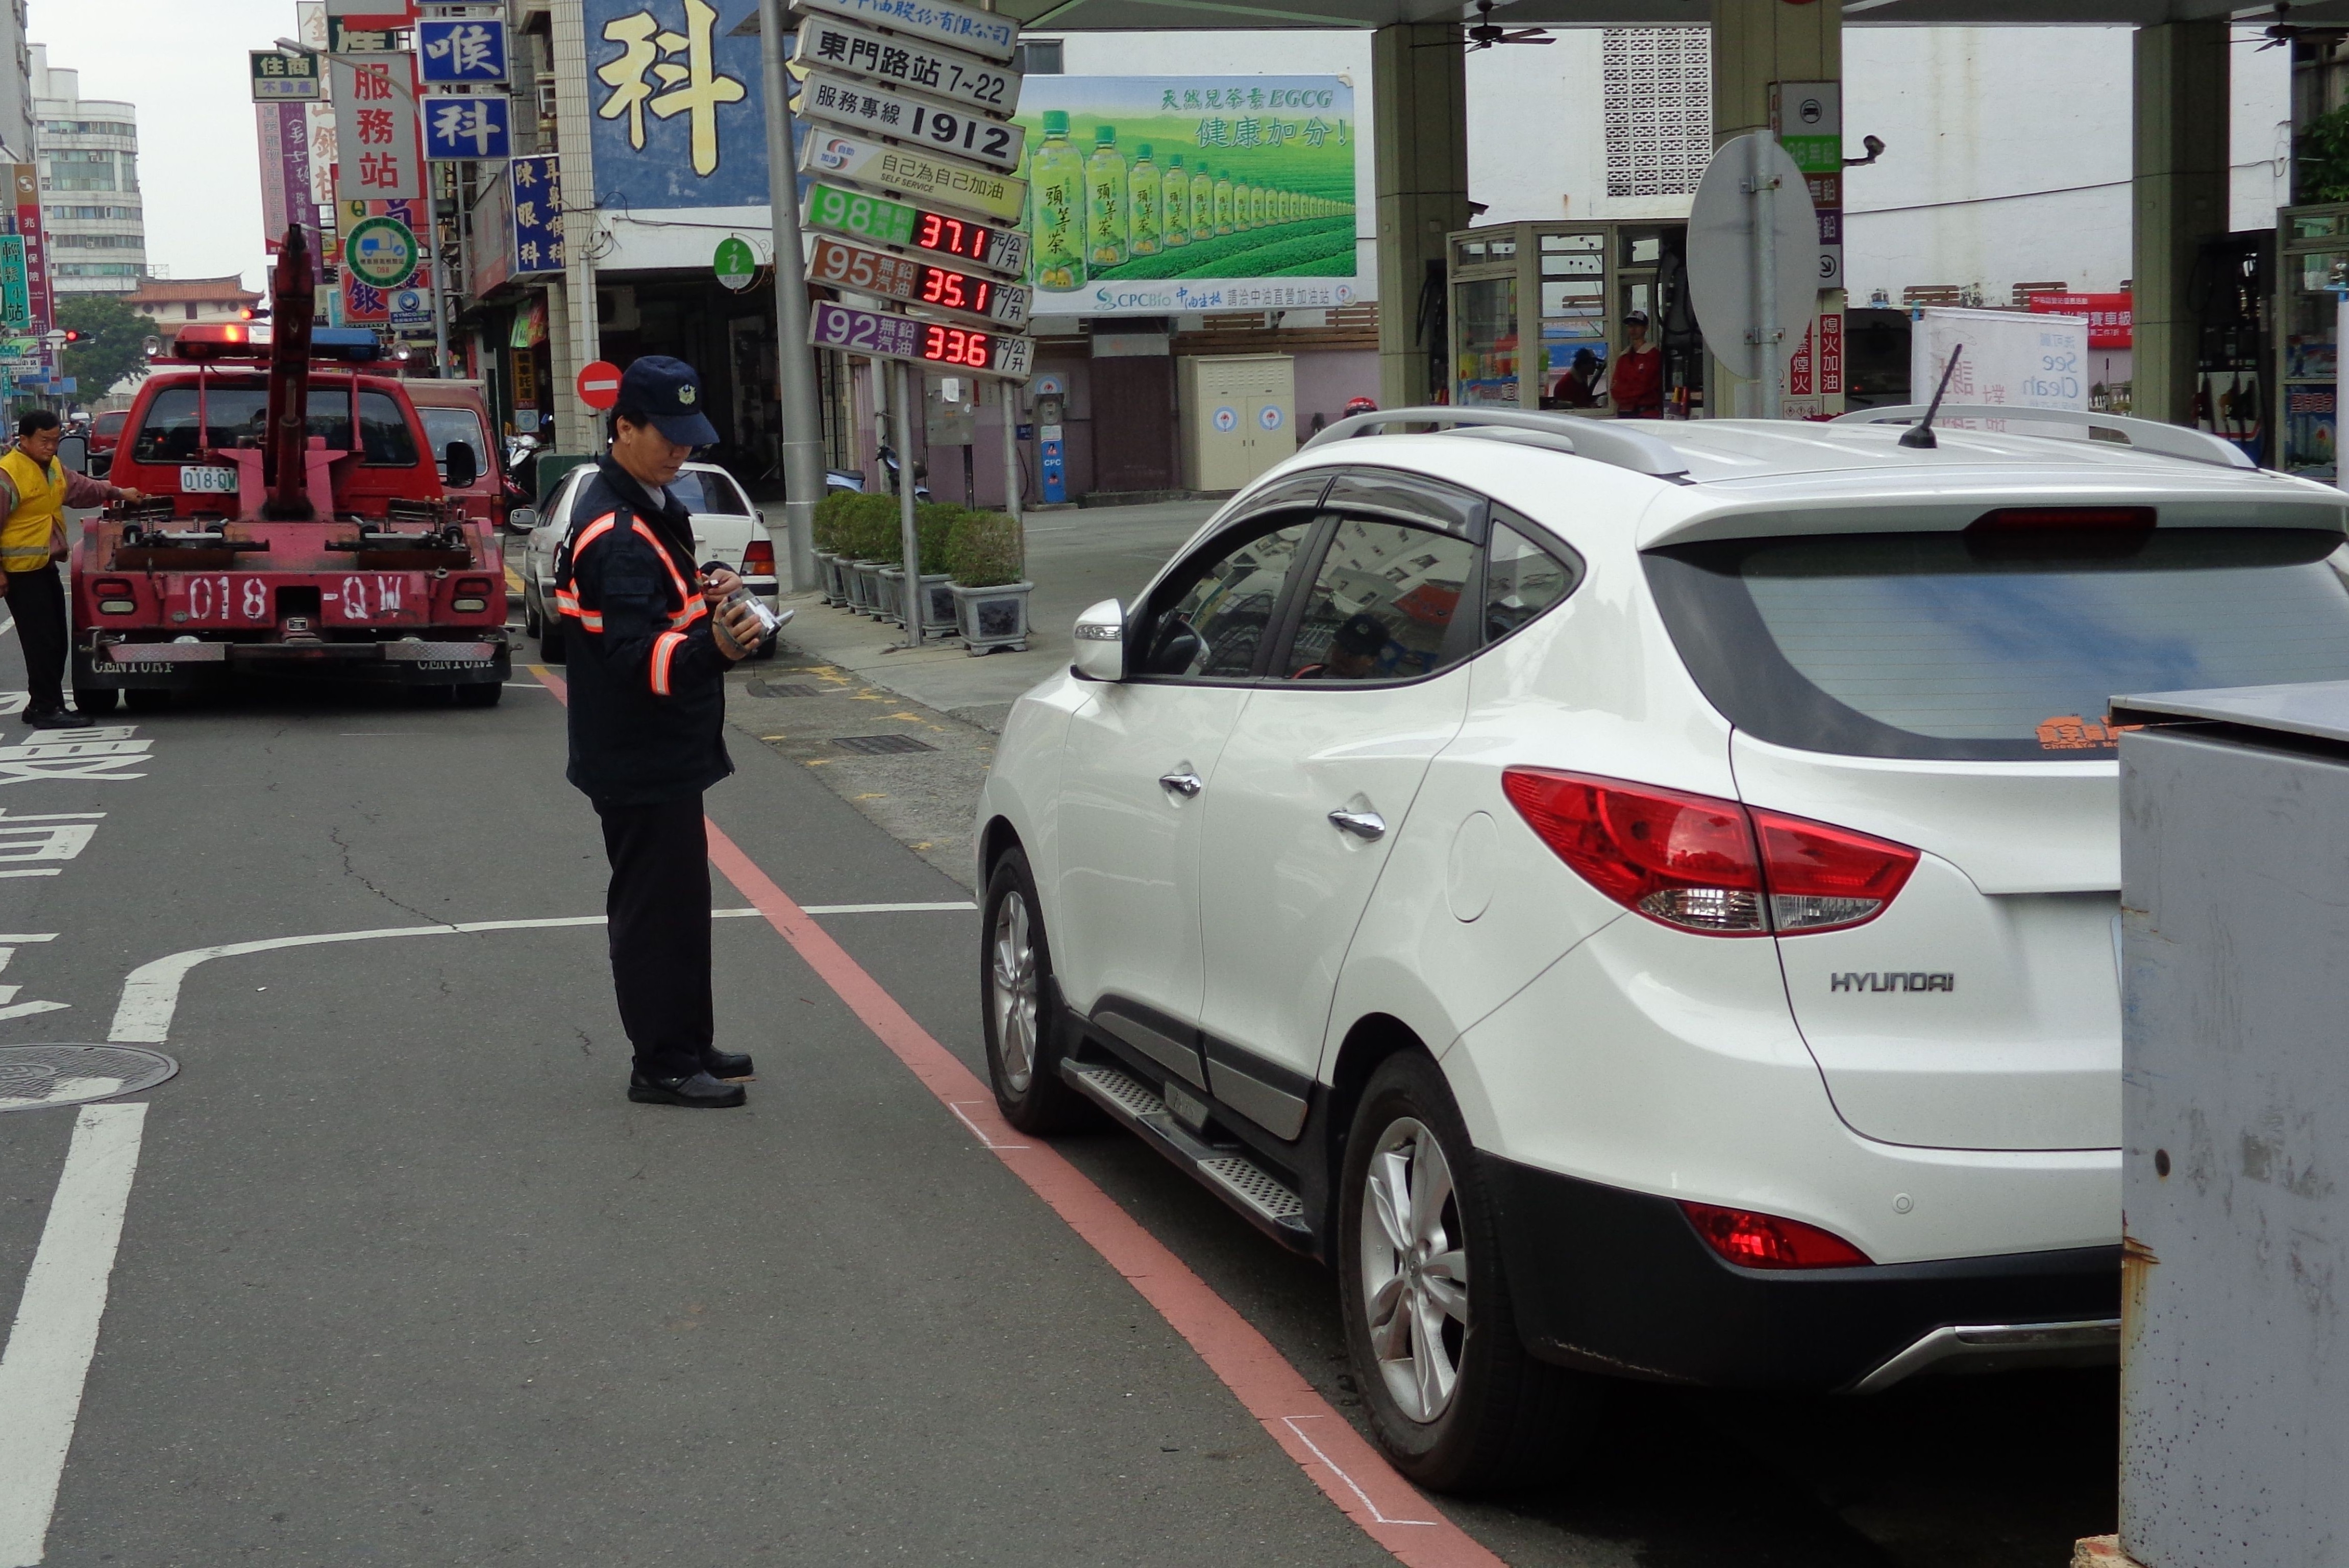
(647, 683)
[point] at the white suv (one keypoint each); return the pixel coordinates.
(1639, 898)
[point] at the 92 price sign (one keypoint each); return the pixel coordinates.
(971, 349)
(899, 223)
(921, 283)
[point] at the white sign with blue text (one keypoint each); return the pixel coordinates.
(966, 27)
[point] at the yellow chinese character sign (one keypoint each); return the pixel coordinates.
(679, 115)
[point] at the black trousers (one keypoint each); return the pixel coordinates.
(37, 600)
(659, 906)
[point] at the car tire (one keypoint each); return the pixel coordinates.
(1020, 1008)
(97, 702)
(481, 693)
(533, 623)
(1478, 1414)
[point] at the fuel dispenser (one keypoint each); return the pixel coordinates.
(1527, 300)
(1052, 444)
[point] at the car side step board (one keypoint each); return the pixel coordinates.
(1231, 1175)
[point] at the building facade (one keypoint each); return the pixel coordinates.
(174, 302)
(88, 150)
(15, 84)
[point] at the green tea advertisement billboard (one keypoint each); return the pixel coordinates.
(1152, 195)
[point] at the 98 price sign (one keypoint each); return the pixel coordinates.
(886, 222)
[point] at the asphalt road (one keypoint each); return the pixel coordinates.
(403, 1279)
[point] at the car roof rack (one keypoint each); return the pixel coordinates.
(2147, 434)
(1598, 441)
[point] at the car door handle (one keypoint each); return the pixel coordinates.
(1362, 824)
(1183, 784)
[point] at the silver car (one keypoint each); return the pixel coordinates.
(727, 529)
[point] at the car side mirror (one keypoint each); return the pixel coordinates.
(74, 452)
(521, 520)
(463, 469)
(1100, 639)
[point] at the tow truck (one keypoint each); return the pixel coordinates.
(292, 522)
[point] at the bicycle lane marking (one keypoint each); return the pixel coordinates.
(1351, 1472)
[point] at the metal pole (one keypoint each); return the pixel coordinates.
(1010, 393)
(1766, 326)
(439, 302)
(908, 532)
(795, 358)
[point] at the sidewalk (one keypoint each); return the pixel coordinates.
(1075, 557)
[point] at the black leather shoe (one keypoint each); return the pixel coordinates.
(727, 1064)
(697, 1091)
(56, 718)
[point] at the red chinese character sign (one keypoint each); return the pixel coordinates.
(378, 156)
(2110, 320)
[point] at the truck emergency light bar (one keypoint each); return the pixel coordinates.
(242, 340)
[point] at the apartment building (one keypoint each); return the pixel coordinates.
(88, 150)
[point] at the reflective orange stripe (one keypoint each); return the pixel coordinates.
(664, 647)
(684, 594)
(566, 603)
(592, 532)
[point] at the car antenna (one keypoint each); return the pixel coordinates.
(1922, 433)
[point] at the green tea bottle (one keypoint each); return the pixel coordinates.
(1257, 216)
(1223, 202)
(1143, 185)
(1241, 223)
(1203, 204)
(1175, 217)
(1058, 183)
(1105, 215)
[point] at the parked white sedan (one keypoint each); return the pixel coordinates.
(1637, 898)
(727, 529)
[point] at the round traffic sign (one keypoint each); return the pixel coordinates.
(599, 385)
(1724, 282)
(734, 264)
(381, 251)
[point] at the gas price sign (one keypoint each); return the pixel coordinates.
(917, 282)
(885, 223)
(927, 343)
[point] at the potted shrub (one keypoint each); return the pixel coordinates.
(831, 515)
(987, 555)
(933, 523)
(870, 542)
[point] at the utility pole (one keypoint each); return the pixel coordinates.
(794, 360)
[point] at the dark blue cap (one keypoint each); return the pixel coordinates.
(669, 393)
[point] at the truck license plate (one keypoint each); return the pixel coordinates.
(207, 482)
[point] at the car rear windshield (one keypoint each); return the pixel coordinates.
(708, 493)
(110, 424)
(237, 414)
(447, 428)
(1953, 646)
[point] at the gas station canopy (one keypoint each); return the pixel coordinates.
(1146, 15)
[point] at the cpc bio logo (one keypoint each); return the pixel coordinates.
(836, 153)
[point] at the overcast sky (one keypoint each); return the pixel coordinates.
(182, 63)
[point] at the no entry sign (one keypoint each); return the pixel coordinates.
(599, 385)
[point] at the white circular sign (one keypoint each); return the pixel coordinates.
(1226, 419)
(1269, 417)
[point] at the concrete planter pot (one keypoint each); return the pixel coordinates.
(938, 618)
(891, 581)
(864, 586)
(835, 577)
(990, 618)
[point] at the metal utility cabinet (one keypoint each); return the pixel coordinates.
(1239, 418)
(2235, 1118)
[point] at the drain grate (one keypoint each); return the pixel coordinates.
(783, 688)
(32, 1076)
(876, 745)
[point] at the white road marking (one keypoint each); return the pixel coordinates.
(151, 992)
(1290, 1422)
(977, 1131)
(55, 1331)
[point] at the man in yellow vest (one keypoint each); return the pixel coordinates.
(35, 491)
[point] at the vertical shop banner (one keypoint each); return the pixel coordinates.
(1808, 119)
(16, 296)
(362, 304)
(269, 132)
(491, 252)
(1153, 194)
(378, 155)
(678, 110)
(37, 297)
(537, 215)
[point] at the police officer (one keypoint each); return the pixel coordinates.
(651, 640)
(35, 491)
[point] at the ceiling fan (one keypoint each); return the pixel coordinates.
(2281, 32)
(1486, 32)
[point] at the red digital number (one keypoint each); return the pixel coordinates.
(982, 290)
(953, 346)
(927, 236)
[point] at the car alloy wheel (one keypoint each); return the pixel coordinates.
(1414, 1266)
(1011, 992)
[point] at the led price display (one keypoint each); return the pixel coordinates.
(917, 282)
(887, 222)
(832, 325)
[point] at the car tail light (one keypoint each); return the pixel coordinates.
(1752, 1240)
(1705, 865)
(2022, 519)
(114, 596)
(759, 559)
(472, 596)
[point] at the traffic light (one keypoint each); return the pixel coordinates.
(73, 336)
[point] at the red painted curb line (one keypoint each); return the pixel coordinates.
(1338, 1459)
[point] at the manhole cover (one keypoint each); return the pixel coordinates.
(874, 745)
(32, 1076)
(783, 688)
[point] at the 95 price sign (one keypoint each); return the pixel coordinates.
(924, 285)
(885, 223)
(949, 347)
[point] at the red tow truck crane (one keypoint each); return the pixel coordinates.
(294, 523)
